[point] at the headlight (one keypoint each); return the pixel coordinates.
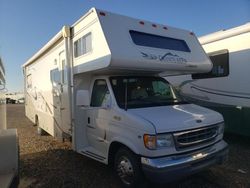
(164, 140)
(158, 141)
(221, 127)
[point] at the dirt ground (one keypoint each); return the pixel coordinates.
(46, 162)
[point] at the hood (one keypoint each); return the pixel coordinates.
(177, 117)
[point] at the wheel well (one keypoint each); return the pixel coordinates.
(113, 148)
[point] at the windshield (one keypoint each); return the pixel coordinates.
(140, 92)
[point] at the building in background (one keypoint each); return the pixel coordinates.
(9, 176)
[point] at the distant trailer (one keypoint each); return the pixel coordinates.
(9, 176)
(226, 87)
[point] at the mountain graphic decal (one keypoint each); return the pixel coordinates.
(167, 57)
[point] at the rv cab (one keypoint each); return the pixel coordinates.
(147, 116)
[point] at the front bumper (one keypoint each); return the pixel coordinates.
(169, 168)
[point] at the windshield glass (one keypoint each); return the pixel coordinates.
(140, 92)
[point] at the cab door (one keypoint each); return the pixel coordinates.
(98, 117)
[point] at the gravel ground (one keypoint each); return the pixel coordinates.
(46, 162)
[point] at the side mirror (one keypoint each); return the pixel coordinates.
(107, 102)
(82, 98)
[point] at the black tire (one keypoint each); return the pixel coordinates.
(40, 131)
(128, 169)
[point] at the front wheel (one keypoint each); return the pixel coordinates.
(128, 170)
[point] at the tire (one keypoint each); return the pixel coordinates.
(40, 131)
(127, 168)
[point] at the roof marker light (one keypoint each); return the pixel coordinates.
(141, 22)
(191, 33)
(165, 28)
(102, 14)
(153, 25)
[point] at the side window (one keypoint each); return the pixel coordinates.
(29, 81)
(220, 60)
(55, 76)
(83, 45)
(100, 93)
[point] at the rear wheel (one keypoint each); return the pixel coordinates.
(128, 170)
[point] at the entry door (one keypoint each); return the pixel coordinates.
(64, 94)
(98, 117)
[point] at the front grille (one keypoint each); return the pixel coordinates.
(195, 137)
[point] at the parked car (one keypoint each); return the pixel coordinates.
(10, 101)
(20, 101)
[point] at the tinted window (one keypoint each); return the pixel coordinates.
(100, 93)
(220, 60)
(55, 76)
(156, 41)
(29, 81)
(83, 45)
(140, 92)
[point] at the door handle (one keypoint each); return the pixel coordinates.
(91, 127)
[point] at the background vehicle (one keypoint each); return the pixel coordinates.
(101, 88)
(10, 101)
(20, 101)
(14, 97)
(226, 87)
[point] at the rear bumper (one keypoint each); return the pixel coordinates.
(170, 168)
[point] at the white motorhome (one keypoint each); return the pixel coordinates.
(97, 83)
(226, 87)
(8, 142)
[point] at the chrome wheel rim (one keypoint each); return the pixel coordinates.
(125, 170)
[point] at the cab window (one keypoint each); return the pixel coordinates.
(100, 93)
